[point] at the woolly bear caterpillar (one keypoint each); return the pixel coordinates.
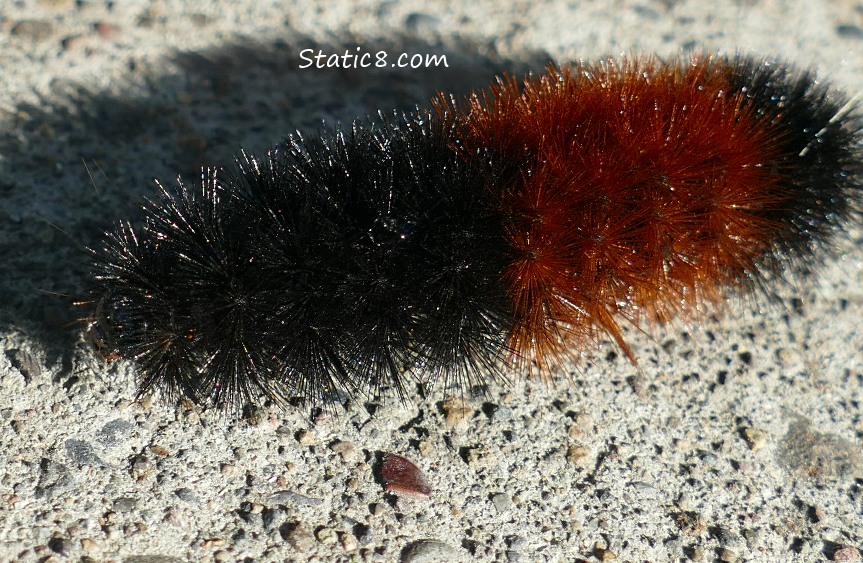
(476, 237)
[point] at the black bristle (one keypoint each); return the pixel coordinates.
(341, 263)
(818, 155)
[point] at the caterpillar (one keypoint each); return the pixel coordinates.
(480, 238)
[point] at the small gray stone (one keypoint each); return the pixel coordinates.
(125, 505)
(423, 551)
(34, 30)
(417, 22)
(253, 518)
(81, 452)
(54, 478)
(364, 534)
(25, 362)
(502, 502)
(187, 495)
(516, 542)
(291, 498)
(727, 538)
(300, 537)
(850, 31)
(113, 432)
(272, 518)
(61, 546)
(695, 553)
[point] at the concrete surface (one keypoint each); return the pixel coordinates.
(740, 439)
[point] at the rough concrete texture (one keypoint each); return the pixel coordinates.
(738, 440)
